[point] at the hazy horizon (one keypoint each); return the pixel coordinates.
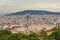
(9, 6)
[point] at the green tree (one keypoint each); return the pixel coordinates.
(33, 37)
(4, 34)
(17, 36)
(54, 36)
(21, 36)
(7, 35)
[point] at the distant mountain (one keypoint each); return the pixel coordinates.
(35, 12)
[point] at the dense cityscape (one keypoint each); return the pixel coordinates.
(29, 22)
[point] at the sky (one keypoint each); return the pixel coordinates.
(9, 6)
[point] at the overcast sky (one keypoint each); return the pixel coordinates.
(8, 6)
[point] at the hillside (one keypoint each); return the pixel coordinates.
(35, 12)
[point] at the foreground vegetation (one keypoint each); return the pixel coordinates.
(7, 35)
(54, 36)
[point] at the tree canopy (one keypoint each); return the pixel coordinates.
(7, 35)
(54, 36)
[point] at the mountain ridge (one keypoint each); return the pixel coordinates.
(34, 12)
